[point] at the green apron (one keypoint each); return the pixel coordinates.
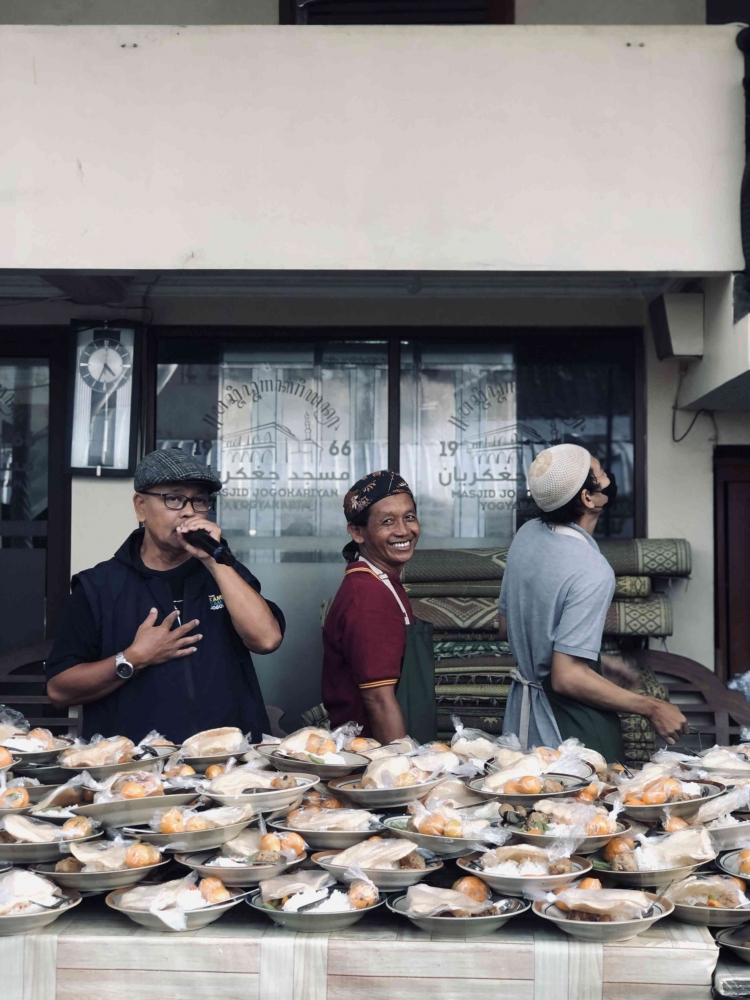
(597, 729)
(416, 688)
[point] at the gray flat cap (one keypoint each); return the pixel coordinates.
(173, 466)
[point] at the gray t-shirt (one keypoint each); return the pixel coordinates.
(555, 594)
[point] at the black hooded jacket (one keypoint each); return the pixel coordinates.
(215, 686)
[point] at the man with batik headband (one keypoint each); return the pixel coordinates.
(378, 666)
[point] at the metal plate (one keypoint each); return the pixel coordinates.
(312, 923)
(41, 756)
(571, 786)
(729, 864)
(588, 846)
(321, 840)
(105, 771)
(622, 930)
(461, 927)
(646, 880)
(381, 798)
(14, 762)
(386, 879)
(354, 763)
(711, 916)
(735, 938)
(190, 840)
(86, 882)
(195, 919)
(583, 770)
(131, 812)
(199, 764)
(646, 814)
(20, 923)
(241, 875)
(728, 837)
(270, 799)
(47, 774)
(28, 854)
(438, 845)
(517, 885)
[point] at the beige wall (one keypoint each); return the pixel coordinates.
(438, 148)
(101, 519)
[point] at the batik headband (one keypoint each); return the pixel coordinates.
(371, 489)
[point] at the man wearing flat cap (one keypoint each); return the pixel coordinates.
(159, 637)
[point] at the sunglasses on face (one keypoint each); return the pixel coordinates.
(176, 501)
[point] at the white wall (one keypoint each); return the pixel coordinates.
(610, 11)
(470, 148)
(102, 517)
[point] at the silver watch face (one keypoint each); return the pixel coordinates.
(123, 669)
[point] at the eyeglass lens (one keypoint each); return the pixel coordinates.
(201, 505)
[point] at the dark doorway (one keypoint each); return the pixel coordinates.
(732, 523)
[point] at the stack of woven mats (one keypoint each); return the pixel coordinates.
(456, 590)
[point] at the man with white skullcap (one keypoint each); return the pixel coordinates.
(556, 590)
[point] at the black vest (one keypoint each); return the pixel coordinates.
(215, 686)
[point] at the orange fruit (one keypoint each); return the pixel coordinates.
(674, 823)
(589, 883)
(654, 797)
(473, 887)
(512, 788)
(529, 784)
(598, 825)
(672, 787)
(587, 794)
(620, 845)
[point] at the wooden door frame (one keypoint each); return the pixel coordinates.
(51, 344)
(731, 463)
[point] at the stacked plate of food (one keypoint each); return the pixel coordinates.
(182, 904)
(645, 795)
(395, 780)
(37, 746)
(604, 915)
(179, 828)
(213, 746)
(518, 868)
(263, 789)
(26, 840)
(711, 900)
(655, 860)
(390, 863)
(312, 902)
(550, 819)
(249, 858)
(314, 751)
(29, 902)
(525, 789)
(103, 865)
(329, 824)
(468, 909)
(102, 757)
(446, 830)
(570, 758)
(128, 798)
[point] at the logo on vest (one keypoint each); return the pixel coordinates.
(216, 601)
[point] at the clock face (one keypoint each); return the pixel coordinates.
(105, 363)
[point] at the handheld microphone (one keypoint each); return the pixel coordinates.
(201, 539)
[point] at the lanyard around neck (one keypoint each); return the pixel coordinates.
(383, 577)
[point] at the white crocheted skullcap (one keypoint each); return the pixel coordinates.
(557, 474)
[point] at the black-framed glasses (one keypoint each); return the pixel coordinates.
(176, 501)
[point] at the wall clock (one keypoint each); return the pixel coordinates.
(103, 399)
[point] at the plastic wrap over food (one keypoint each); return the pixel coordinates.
(169, 901)
(574, 819)
(404, 745)
(125, 785)
(709, 890)
(332, 819)
(574, 748)
(107, 855)
(718, 812)
(452, 823)
(245, 845)
(287, 885)
(155, 739)
(26, 892)
(452, 792)
(63, 796)
(472, 744)
(675, 850)
(723, 757)
(247, 778)
(432, 901)
(98, 752)
(380, 854)
(12, 723)
(210, 742)
(617, 904)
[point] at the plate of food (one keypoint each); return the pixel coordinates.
(604, 915)
(710, 900)
(119, 812)
(113, 755)
(645, 796)
(469, 909)
(179, 828)
(529, 788)
(7, 760)
(571, 758)
(264, 790)
(654, 860)
(312, 902)
(325, 763)
(36, 747)
(103, 865)
(551, 819)
(737, 939)
(390, 863)
(235, 871)
(517, 868)
(724, 762)
(213, 746)
(440, 837)
(179, 905)
(386, 783)
(329, 827)
(29, 902)
(26, 840)
(45, 774)
(735, 863)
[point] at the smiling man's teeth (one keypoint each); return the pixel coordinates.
(400, 545)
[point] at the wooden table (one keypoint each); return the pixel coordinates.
(95, 954)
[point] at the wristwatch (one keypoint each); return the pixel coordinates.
(123, 667)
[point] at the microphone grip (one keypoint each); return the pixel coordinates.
(201, 539)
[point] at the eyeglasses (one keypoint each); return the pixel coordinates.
(176, 501)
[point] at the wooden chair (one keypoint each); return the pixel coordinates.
(715, 713)
(23, 687)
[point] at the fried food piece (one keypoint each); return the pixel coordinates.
(214, 891)
(141, 856)
(133, 790)
(473, 887)
(589, 883)
(453, 828)
(78, 826)
(44, 736)
(413, 861)
(179, 771)
(270, 842)
(267, 858)
(743, 859)
(196, 823)
(675, 823)
(293, 842)
(624, 863)
(214, 770)
(331, 803)
(284, 781)
(362, 895)
(550, 785)
(432, 826)
(563, 866)
(172, 821)
(70, 866)
(619, 845)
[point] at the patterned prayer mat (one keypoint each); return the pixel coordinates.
(625, 586)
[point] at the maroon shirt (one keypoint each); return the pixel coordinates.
(364, 638)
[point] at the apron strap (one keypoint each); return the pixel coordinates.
(383, 577)
(518, 677)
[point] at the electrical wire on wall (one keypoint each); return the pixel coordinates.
(675, 407)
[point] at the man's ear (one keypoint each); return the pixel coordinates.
(357, 533)
(587, 500)
(138, 507)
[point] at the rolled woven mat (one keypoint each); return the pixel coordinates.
(625, 586)
(650, 617)
(447, 648)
